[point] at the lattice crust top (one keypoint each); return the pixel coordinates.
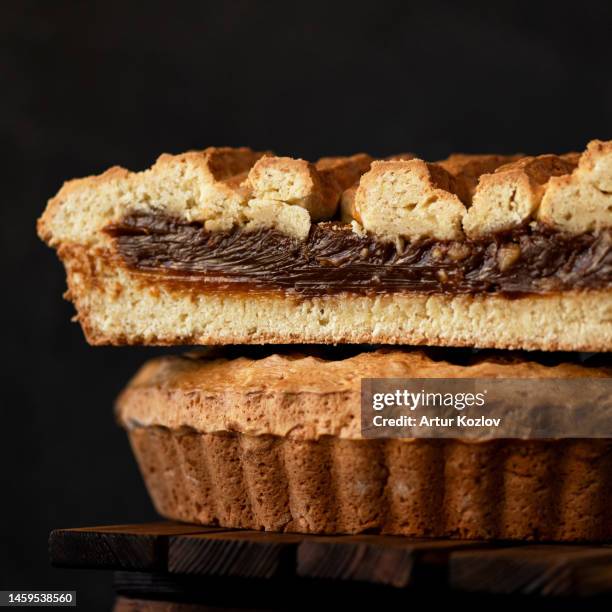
(399, 198)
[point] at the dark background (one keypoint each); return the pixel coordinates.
(88, 85)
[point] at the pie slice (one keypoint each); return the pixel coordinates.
(227, 245)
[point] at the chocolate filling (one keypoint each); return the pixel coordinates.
(334, 259)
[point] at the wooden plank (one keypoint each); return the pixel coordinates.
(161, 528)
(537, 569)
(385, 560)
(129, 547)
(245, 554)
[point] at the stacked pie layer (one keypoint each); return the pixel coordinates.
(230, 246)
(274, 443)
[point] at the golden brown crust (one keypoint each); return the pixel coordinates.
(348, 210)
(221, 187)
(44, 224)
(316, 187)
(409, 200)
(502, 489)
(339, 174)
(569, 192)
(293, 394)
(581, 201)
(509, 197)
(395, 199)
(457, 175)
(468, 168)
(197, 185)
(540, 169)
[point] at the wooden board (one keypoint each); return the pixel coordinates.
(244, 554)
(190, 551)
(534, 570)
(386, 560)
(141, 546)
